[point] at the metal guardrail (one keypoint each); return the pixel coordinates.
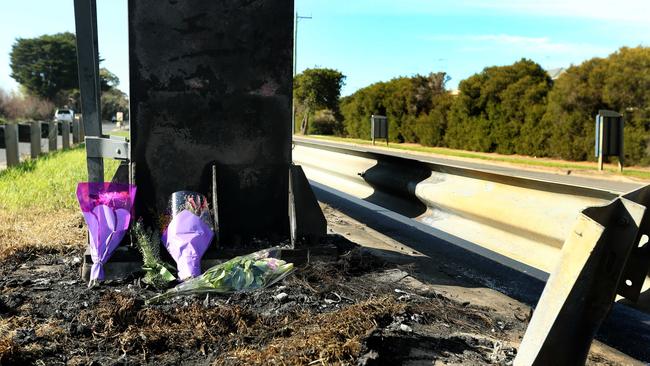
(11, 135)
(524, 219)
(593, 242)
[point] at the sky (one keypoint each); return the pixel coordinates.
(376, 40)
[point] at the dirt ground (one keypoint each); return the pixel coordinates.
(362, 309)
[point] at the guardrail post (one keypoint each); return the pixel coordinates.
(75, 131)
(65, 134)
(580, 292)
(35, 139)
(53, 132)
(11, 144)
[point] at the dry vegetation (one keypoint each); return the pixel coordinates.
(15, 106)
(38, 231)
(329, 316)
(38, 207)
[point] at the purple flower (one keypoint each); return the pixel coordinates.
(107, 210)
(106, 228)
(187, 238)
(272, 263)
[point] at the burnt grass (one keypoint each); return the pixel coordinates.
(341, 312)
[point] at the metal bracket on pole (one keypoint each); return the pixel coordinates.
(307, 224)
(638, 263)
(601, 258)
(109, 148)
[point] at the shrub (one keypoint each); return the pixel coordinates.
(18, 107)
(324, 123)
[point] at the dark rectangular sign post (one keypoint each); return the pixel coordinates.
(609, 137)
(211, 84)
(379, 128)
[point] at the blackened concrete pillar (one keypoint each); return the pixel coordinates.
(211, 83)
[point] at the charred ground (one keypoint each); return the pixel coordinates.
(358, 309)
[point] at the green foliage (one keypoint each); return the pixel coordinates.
(244, 273)
(45, 65)
(406, 101)
(107, 80)
(620, 82)
(514, 109)
(46, 68)
(573, 104)
(317, 89)
(430, 128)
(325, 123)
(500, 110)
(157, 273)
(113, 101)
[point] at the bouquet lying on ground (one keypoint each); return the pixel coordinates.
(157, 272)
(250, 272)
(107, 210)
(189, 232)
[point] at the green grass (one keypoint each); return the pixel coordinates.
(48, 182)
(120, 133)
(521, 160)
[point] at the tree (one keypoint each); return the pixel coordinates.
(430, 128)
(45, 65)
(572, 105)
(620, 82)
(406, 101)
(114, 101)
(500, 110)
(107, 80)
(317, 89)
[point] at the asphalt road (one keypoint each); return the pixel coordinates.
(611, 185)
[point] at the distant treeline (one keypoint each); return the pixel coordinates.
(515, 109)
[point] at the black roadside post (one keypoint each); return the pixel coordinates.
(35, 139)
(609, 137)
(379, 128)
(52, 131)
(65, 134)
(11, 144)
(75, 131)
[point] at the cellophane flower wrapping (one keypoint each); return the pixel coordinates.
(189, 233)
(245, 273)
(107, 209)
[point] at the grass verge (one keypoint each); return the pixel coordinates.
(524, 161)
(120, 133)
(39, 209)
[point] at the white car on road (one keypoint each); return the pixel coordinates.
(64, 115)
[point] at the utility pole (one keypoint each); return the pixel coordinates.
(295, 66)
